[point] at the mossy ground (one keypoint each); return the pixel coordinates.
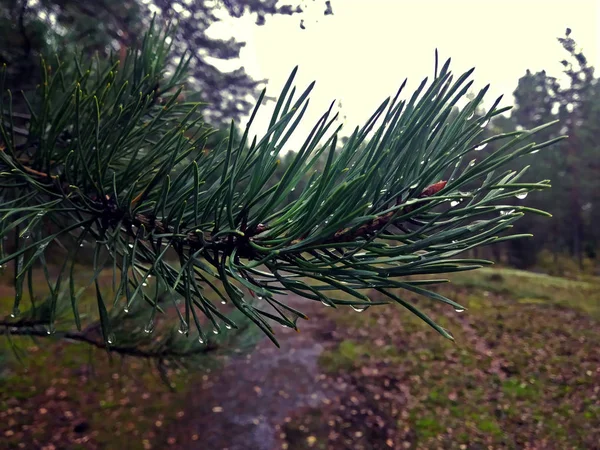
(67, 395)
(524, 371)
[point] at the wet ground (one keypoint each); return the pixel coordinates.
(243, 405)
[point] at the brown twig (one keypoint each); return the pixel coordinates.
(35, 329)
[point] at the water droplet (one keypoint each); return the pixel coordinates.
(370, 205)
(228, 326)
(215, 331)
(454, 203)
(144, 284)
(260, 297)
(183, 327)
(223, 302)
(472, 163)
(534, 152)
(130, 245)
(110, 339)
(149, 328)
(448, 333)
(50, 330)
(414, 186)
(325, 303)
(471, 115)
(16, 312)
(200, 340)
(383, 191)
(459, 310)
(480, 147)
(81, 245)
(505, 212)
(292, 189)
(521, 195)
(358, 308)
(126, 310)
(272, 153)
(422, 162)
(485, 123)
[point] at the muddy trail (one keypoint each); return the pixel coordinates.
(243, 405)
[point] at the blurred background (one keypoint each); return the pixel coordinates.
(525, 370)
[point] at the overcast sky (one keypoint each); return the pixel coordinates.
(362, 53)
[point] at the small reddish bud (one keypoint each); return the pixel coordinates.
(433, 189)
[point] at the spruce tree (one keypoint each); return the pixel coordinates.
(109, 160)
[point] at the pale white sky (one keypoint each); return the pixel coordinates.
(362, 53)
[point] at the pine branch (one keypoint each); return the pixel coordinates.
(113, 159)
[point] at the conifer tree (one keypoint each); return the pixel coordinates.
(108, 161)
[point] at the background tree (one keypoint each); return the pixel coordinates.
(30, 28)
(573, 164)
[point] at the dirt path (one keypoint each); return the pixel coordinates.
(241, 406)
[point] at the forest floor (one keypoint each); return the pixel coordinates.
(524, 373)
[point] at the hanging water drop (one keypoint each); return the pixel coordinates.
(223, 302)
(485, 123)
(200, 340)
(325, 303)
(521, 195)
(215, 331)
(471, 115)
(422, 162)
(16, 312)
(126, 310)
(183, 327)
(358, 309)
(228, 326)
(459, 310)
(272, 153)
(472, 163)
(480, 147)
(110, 339)
(414, 186)
(149, 328)
(130, 245)
(454, 203)
(144, 284)
(534, 152)
(505, 212)
(292, 189)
